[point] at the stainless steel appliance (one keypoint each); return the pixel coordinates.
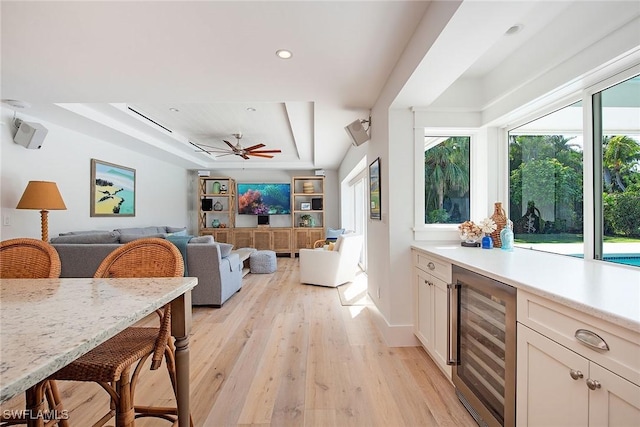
(482, 346)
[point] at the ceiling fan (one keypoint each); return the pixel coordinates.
(238, 150)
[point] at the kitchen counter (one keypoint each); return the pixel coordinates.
(608, 291)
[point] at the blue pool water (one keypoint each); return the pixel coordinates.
(628, 259)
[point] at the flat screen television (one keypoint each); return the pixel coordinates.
(264, 199)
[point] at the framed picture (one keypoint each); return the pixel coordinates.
(305, 206)
(113, 189)
(374, 190)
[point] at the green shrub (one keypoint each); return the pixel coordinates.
(438, 216)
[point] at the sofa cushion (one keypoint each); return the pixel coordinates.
(104, 237)
(202, 239)
(142, 230)
(176, 230)
(69, 233)
(126, 238)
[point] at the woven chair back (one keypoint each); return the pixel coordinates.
(26, 258)
(150, 257)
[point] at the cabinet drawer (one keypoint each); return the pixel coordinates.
(560, 323)
(432, 265)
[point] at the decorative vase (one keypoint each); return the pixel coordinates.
(217, 206)
(487, 242)
(506, 235)
(500, 218)
(215, 223)
(216, 188)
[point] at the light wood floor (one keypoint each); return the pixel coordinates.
(280, 353)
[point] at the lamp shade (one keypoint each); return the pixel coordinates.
(42, 195)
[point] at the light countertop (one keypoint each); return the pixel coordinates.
(47, 323)
(602, 289)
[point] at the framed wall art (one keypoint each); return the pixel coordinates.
(305, 206)
(374, 190)
(113, 189)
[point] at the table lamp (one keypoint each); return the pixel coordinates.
(43, 195)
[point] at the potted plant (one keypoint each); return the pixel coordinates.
(308, 220)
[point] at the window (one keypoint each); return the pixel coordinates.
(616, 120)
(446, 179)
(545, 182)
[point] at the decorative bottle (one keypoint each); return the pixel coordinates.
(500, 218)
(216, 188)
(506, 235)
(487, 242)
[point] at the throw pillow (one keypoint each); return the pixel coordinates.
(225, 249)
(332, 234)
(178, 233)
(331, 246)
(176, 230)
(202, 239)
(104, 237)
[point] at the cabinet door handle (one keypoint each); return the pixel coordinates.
(576, 375)
(450, 359)
(431, 266)
(591, 339)
(593, 384)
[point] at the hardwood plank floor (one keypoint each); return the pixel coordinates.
(280, 353)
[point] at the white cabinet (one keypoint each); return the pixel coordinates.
(562, 385)
(430, 277)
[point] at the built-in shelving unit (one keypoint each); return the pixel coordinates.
(307, 210)
(217, 201)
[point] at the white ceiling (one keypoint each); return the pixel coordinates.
(81, 63)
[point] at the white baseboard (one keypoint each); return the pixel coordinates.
(394, 335)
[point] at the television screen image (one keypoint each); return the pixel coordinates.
(264, 199)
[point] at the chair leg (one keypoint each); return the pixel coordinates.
(35, 405)
(55, 403)
(125, 412)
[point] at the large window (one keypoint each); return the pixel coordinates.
(616, 112)
(545, 182)
(446, 179)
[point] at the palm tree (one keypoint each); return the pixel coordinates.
(621, 153)
(446, 169)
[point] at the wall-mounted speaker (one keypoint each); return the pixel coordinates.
(316, 204)
(207, 204)
(263, 219)
(357, 133)
(30, 135)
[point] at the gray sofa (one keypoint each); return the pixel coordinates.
(219, 271)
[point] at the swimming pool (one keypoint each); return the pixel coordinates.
(628, 259)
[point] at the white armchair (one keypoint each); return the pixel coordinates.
(331, 268)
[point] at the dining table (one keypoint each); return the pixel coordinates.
(45, 324)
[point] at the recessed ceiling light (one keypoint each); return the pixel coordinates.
(251, 109)
(173, 110)
(284, 53)
(514, 29)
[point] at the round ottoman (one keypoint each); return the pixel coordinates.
(263, 262)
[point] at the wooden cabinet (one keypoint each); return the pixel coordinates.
(307, 210)
(555, 387)
(304, 238)
(274, 239)
(430, 278)
(562, 381)
(216, 207)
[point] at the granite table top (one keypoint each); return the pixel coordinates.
(47, 323)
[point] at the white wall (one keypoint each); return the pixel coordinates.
(161, 188)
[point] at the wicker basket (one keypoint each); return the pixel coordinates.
(500, 218)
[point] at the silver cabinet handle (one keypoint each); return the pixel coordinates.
(591, 339)
(576, 375)
(593, 384)
(450, 360)
(431, 266)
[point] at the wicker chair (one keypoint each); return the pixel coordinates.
(111, 364)
(32, 259)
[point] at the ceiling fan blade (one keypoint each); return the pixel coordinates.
(253, 147)
(266, 151)
(260, 155)
(231, 145)
(244, 156)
